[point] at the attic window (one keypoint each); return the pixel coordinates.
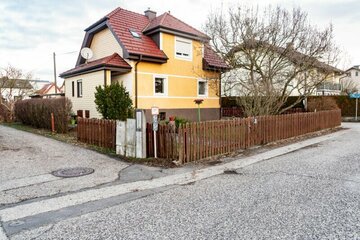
(134, 34)
(183, 49)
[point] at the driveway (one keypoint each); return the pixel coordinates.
(27, 161)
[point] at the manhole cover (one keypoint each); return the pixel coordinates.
(73, 172)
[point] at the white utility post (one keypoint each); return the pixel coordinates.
(140, 134)
(356, 110)
(356, 96)
(155, 114)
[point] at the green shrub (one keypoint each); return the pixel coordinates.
(181, 121)
(113, 102)
(37, 113)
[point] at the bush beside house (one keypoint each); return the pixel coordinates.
(37, 113)
(113, 102)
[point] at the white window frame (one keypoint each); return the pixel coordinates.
(206, 88)
(165, 85)
(161, 41)
(187, 58)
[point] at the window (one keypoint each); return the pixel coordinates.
(357, 74)
(16, 98)
(202, 88)
(80, 113)
(162, 116)
(160, 85)
(73, 88)
(134, 34)
(79, 88)
(183, 48)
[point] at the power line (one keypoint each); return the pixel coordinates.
(67, 53)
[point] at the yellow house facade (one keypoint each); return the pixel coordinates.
(161, 61)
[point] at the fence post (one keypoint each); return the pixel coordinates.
(120, 138)
(52, 123)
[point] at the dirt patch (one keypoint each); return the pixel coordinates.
(152, 162)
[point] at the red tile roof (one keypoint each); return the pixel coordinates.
(47, 87)
(166, 20)
(113, 60)
(122, 21)
(212, 60)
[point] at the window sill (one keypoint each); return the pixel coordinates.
(189, 59)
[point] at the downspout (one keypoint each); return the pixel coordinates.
(220, 97)
(136, 81)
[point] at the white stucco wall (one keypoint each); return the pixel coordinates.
(89, 82)
(104, 44)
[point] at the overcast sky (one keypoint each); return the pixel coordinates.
(31, 30)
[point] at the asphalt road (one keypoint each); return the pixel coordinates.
(27, 161)
(312, 193)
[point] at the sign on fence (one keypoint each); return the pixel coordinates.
(155, 114)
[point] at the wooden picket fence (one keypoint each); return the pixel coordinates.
(195, 141)
(97, 132)
(167, 141)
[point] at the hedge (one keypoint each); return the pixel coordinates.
(4, 114)
(37, 113)
(344, 102)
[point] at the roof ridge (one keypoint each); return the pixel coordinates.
(116, 10)
(119, 8)
(187, 24)
(154, 19)
(111, 57)
(163, 18)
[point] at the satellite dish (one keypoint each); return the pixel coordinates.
(86, 53)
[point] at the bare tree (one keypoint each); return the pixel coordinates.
(14, 85)
(348, 86)
(274, 53)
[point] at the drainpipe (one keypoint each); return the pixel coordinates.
(136, 81)
(220, 93)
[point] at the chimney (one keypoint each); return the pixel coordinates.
(150, 14)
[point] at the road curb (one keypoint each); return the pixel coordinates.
(56, 203)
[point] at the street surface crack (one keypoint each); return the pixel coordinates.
(44, 232)
(319, 177)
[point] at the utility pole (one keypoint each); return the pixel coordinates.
(54, 57)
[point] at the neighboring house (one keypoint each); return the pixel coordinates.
(290, 60)
(161, 61)
(38, 84)
(48, 91)
(352, 79)
(14, 89)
